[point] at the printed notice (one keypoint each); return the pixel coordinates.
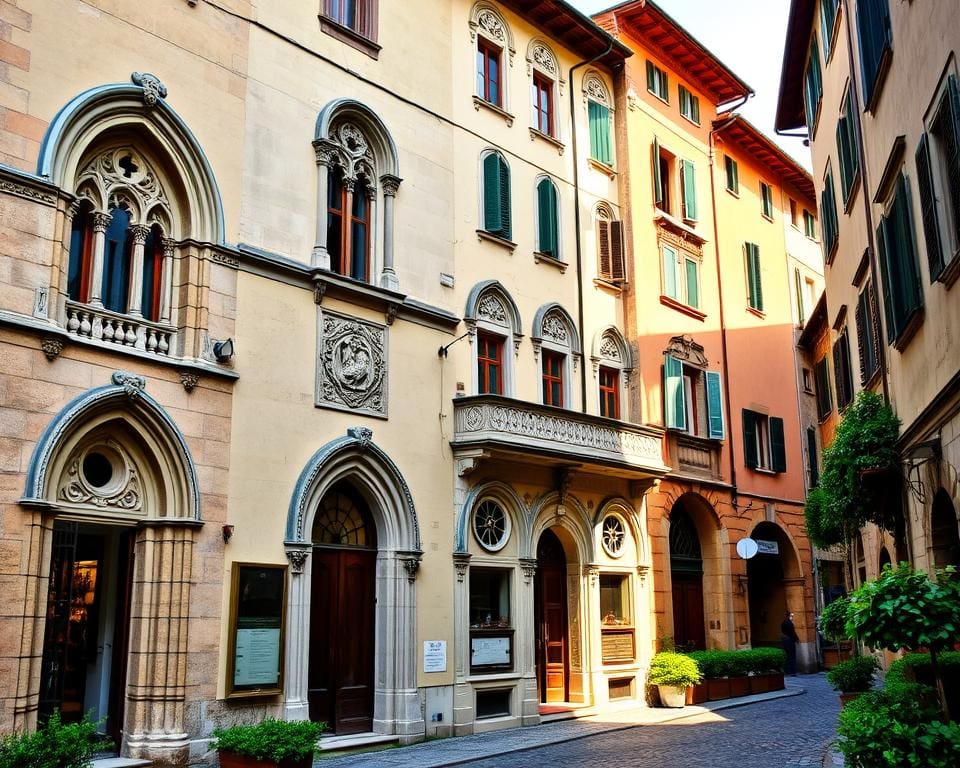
(257, 660)
(489, 650)
(434, 655)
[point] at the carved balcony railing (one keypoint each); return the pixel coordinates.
(542, 434)
(691, 455)
(100, 324)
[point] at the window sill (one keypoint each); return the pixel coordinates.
(878, 82)
(535, 134)
(546, 258)
(689, 119)
(482, 234)
(349, 36)
(658, 97)
(949, 274)
(758, 312)
(478, 102)
(852, 193)
(808, 391)
(608, 285)
(733, 192)
(602, 167)
(683, 308)
(767, 217)
(763, 470)
(910, 330)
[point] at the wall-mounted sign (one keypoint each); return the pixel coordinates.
(767, 547)
(491, 651)
(434, 655)
(257, 603)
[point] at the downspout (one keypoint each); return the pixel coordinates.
(576, 221)
(723, 324)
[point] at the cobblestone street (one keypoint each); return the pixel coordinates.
(781, 733)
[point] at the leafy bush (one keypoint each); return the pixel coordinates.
(767, 660)
(915, 667)
(271, 739)
(833, 620)
(676, 669)
(897, 728)
(854, 675)
(714, 664)
(52, 745)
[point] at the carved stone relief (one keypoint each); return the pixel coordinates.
(352, 364)
(685, 348)
(121, 177)
(492, 26)
(610, 350)
(102, 475)
(555, 328)
(596, 90)
(492, 310)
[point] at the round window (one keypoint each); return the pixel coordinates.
(491, 525)
(97, 469)
(614, 534)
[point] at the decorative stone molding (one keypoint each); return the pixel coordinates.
(461, 561)
(153, 89)
(121, 176)
(52, 347)
(528, 566)
(352, 364)
(486, 21)
(592, 572)
(492, 310)
(685, 348)
(411, 564)
(540, 57)
(133, 385)
(594, 88)
(391, 314)
(189, 379)
(363, 436)
(319, 290)
(642, 571)
(298, 559)
(26, 191)
(123, 491)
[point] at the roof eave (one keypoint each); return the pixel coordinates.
(790, 107)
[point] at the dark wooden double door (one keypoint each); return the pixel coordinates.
(340, 679)
(550, 609)
(688, 629)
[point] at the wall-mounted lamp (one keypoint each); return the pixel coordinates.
(227, 532)
(223, 350)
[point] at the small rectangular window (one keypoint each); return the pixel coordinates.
(609, 392)
(899, 270)
(793, 214)
(359, 16)
(812, 87)
(813, 457)
(489, 364)
(553, 365)
(542, 96)
(868, 337)
(828, 217)
(809, 225)
(494, 703)
(616, 619)
(488, 72)
(766, 200)
(689, 105)
(821, 374)
(847, 155)
(754, 282)
(681, 276)
(657, 82)
(491, 627)
(841, 370)
(876, 39)
(763, 442)
(733, 180)
(600, 144)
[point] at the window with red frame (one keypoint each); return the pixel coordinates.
(348, 235)
(542, 104)
(609, 392)
(489, 364)
(553, 363)
(488, 72)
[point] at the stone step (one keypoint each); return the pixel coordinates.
(355, 741)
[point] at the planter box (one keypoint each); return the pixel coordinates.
(697, 694)
(759, 683)
(672, 696)
(739, 686)
(776, 681)
(718, 688)
(833, 656)
(233, 760)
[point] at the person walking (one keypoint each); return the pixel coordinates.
(789, 639)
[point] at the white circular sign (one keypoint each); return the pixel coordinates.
(747, 548)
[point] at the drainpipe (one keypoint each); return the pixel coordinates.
(576, 222)
(723, 324)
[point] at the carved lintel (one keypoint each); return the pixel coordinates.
(685, 348)
(298, 559)
(461, 560)
(391, 314)
(363, 435)
(153, 89)
(411, 564)
(319, 289)
(52, 347)
(529, 567)
(189, 379)
(132, 384)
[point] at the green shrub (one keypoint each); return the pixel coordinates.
(676, 669)
(897, 728)
(53, 745)
(915, 667)
(768, 660)
(741, 663)
(833, 620)
(854, 675)
(716, 663)
(712, 664)
(271, 739)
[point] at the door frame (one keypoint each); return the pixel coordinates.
(540, 623)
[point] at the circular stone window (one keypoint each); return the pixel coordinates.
(491, 525)
(102, 470)
(614, 534)
(97, 469)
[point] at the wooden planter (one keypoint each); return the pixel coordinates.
(739, 686)
(697, 694)
(833, 656)
(718, 688)
(758, 683)
(233, 760)
(776, 681)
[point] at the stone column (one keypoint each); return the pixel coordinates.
(166, 280)
(140, 233)
(388, 277)
(325, 155)
(346, 255)
(296, 705)
(101, 222)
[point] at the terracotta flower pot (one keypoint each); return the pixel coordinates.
(697, 694)
(234, 760)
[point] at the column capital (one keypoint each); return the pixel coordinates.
(169, 244)
(101, 221)
(390, 184)
(140, 233)
(326, 153)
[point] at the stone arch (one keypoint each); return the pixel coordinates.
(508, 498)
(475, 311)
(486, 19)
(625, 510)
(374, 130)
(609, 344)
(556, 314)
(139, 109)
(595, 87)
(944, 534)
(373, 474)
(573, 524)
(775, 585)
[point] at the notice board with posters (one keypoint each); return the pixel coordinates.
(258, 599)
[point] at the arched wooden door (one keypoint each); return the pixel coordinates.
(550, 610)
(686, 576)
(340, 678)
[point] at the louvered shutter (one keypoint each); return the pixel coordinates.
(750, 457)
(758, 282)
(911, 294)
(843, 155)
(814, 458)
(492, 221)
(874, 324)
(885, 276)
(798, 281)
(547, 217)
(714, 406)
(506, 229)
(689, 190)
(778, 448)
(953, 151)
(651, 77)
(862, 339)
(657, 180)
(928, 209)
(603, 246)
(617, 256)
(674, 401)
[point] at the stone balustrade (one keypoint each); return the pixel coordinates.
(109, 327)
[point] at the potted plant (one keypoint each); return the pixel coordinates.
(715, 668)
(740, 664)
(672, 673)
(853, 677)
(52, 745)
(766, 669)
(268, 744)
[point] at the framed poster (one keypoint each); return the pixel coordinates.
(258, 599)
(491, 651)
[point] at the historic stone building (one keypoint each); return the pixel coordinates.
(873, 86)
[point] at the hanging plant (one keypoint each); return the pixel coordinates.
(860, 474)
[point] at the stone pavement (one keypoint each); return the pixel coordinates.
(786, 729)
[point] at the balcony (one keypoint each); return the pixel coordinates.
(694, 456)
(493, 426)
(89, 322)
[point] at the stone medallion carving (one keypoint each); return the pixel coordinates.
(352, 364)
(555, 329)
(596, 90)
(610, 350)
(104, 476)
(492, 310)
(492, 26)
(543, 58)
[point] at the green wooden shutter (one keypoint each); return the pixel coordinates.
(695, 103)
(843, 155)
(617, 259)
(651, 77)
(492, 221)
(547, 217)
(674, 401)
(506, 230)
(603, 246)
(657, 180)
(863, 340)
(750, 457)
(883, 253)
(778, 449)
(692, 276)
(599, 117)
(714, 406)
(911, 291)
(814, 458)
(928, 209)
(670, 270)
(754, 286)
(689, 190)
(953, 150)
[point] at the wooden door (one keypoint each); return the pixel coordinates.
(688, 630)
(340, 678)
(550, 598)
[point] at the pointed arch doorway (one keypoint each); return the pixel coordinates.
(342, 612)
(686, 577)
(550, 610)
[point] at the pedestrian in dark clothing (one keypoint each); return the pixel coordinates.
(789, 638)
